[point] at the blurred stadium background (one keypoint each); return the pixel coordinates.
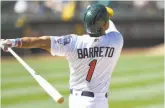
(137, 81)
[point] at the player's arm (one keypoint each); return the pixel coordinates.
(42, 42)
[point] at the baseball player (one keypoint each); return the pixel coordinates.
(92, 57)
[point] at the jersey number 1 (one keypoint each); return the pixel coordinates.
(92, 65)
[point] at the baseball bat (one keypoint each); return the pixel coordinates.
(42, 82)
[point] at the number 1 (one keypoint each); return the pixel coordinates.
(92, 65)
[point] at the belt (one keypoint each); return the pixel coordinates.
(87, 93)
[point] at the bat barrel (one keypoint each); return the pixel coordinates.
(61, 100)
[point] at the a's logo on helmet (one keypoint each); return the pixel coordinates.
(89, 13)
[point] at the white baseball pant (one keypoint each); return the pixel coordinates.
(76, 100)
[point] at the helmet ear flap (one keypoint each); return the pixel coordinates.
(85, 15)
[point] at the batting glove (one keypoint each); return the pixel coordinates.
(9, 43)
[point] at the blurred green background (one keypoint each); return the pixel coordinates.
(137, 81)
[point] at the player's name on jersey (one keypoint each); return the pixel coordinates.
(95, 52)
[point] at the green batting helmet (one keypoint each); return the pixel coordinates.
(94, 18)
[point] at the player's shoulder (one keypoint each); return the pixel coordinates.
(80, 37)
(72, 37)
(115, 37)
(113, 31)
(75, 37)
(64, 39)
(114, 34)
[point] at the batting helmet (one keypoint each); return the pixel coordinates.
(94, 18)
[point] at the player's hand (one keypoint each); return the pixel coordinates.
(5, 44)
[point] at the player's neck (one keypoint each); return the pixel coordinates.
(102, 32)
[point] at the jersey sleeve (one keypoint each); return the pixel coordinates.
(119, 41)
(112, 27)
(63, 45)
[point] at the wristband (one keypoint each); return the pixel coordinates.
(16, 42)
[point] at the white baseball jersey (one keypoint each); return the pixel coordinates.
(91, 59)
